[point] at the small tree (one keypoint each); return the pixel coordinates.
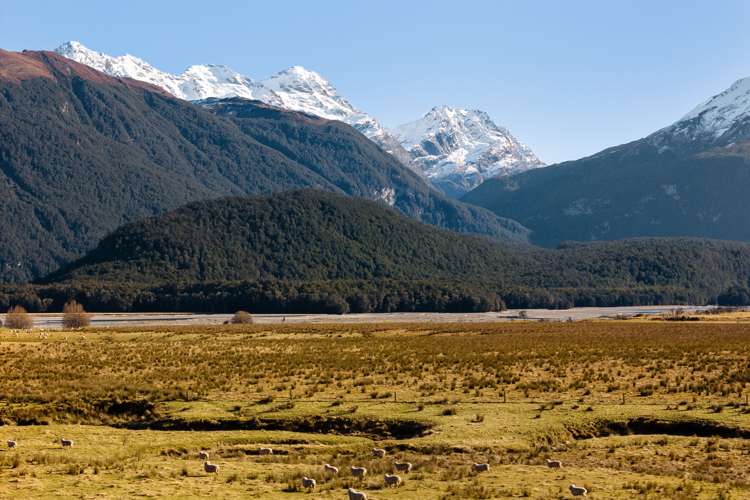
(75, 316)
(18, 319)
(242, 318)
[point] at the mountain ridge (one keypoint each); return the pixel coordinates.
(82, 152)
(300, 89)
(687, 179)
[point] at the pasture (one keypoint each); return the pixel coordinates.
(633, 409)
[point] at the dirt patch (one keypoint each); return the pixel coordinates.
(317, 424)
(650, 425)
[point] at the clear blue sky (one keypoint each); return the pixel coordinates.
(567, 77)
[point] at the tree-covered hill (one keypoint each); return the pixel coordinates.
(309, 236)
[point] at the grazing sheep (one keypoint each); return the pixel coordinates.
(378, 452)
(265, 451)
(330, 469)
(356, 495)
(578, 491)
(554, 464)
(358, 471)
(66, 443)
(402, 466)
(481, 467)
(308, 483)
(12, 443)
(203, 455)
(392, 480)
(210, 468)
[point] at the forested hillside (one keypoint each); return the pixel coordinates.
(360, 251)
(82, 153)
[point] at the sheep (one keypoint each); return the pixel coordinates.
(66, 443)
(265, 451)
(402, 466)
(308, 483)
(12, 443)
(554, 464)
(481, 467)
(378, 452)
(203, 455)
(578, 491)
(210, 468)
(392, 480)
(358, 471)
(330, 469)
(356, 495)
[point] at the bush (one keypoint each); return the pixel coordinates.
(75, 316)
(242, 318)
(18, 319)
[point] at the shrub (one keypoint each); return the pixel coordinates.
(242, 318)
(18, 319)
(75, 316)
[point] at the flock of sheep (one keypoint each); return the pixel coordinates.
(308, 483)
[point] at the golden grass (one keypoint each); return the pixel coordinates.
(510, 394)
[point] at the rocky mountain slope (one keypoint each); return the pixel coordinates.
(688, 179)
(458, 149)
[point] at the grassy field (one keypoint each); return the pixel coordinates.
(634, 409)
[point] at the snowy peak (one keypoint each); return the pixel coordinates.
(296, 88)
(720, 113)
(197, 82)
(455, 148)
(458, 148)
(721, 120)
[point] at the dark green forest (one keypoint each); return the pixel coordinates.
(308, 250)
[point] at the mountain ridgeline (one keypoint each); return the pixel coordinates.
(268, 252)
(82, 153)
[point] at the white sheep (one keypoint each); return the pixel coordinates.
(308, 483)
(578, 491)
(12, 443)
(481, 467)
(203, 455)
(554, 464)
(378, 452)
(330, 469)
(210, 468)
(66, 443)
(402, 466)
(392, 480)
(265, 451)
(356, 495)
(358, 471)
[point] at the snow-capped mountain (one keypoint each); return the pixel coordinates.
(454, 148)
(296, 89)
(721, 120)
(197, 82)
(458, 149)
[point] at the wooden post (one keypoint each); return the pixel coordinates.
(394, 396)
(505, 397)
(623, 398)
